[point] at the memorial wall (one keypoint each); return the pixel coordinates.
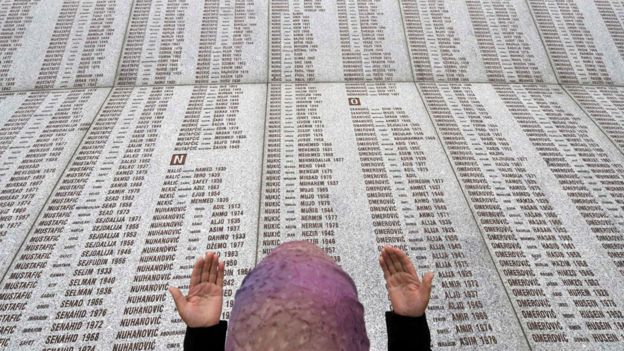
(485, 138)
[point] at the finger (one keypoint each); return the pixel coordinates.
(384, 267)
(406, 262)
(207, 266)
(213, 270)
(397, 255)
(387, 260)
(178, 298)
(196, 273)
(427, 283)
(394, 260)
(220, 273)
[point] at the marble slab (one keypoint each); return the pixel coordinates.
(195, 42)
(39, 132)
(60, 44)
(234, 126)
(545, 186)
(354, 166)
(337, 41)
(163, 174)
(584, 39)
(476, 41)
(605, 106)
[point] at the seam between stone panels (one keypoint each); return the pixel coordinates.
(267, 79)
(45, 204)
(8, 92)
(268, 51)
(435, 128)
(409, 53)
(586, 113)
(264, 132)
(262, 165)
(539, 33)
(123, 46)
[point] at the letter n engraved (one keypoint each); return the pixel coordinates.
(178, 159)
(354, 102)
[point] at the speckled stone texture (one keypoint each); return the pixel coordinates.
(482, 137)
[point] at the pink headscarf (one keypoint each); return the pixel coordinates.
(297, 298)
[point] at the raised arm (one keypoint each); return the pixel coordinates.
(409, 296)
(201, 308)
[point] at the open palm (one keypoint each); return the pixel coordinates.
(409, 295)
(203, 305)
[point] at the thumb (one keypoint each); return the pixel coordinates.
(178, 298)
(426, 283)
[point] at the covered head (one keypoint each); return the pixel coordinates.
(297, 298)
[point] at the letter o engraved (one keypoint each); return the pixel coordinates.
(354, 102)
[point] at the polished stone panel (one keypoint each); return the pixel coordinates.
(336, 41)
(542, 182)
(605, 106)
(39, 132)
(584, 39)
(474, 40)
(60, 44)
(485, 138)
(163, 174)
(355, 166)
(195, 42)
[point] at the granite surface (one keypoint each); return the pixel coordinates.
(482, 137)
(335, 41)
(60, 44)
(195, 42)
(476, 41)
(544, 217)
(362, 167)
(163, 174)
(604, 105)
(40, 131)
(583, 38)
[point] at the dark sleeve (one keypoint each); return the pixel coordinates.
(206, 339)
(407, 333)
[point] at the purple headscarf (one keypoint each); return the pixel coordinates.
(297, 298)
